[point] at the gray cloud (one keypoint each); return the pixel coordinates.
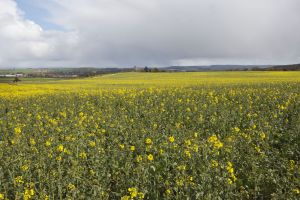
(156, 32)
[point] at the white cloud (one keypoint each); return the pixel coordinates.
(25, 43)
(154, 32)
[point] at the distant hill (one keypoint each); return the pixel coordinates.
(295, 67)
(216, 68)
(64, 72)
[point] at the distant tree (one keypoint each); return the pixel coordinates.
(16, 79)
(146, 69)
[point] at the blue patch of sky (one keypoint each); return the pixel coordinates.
(38, 14)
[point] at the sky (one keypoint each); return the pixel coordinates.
(126, 33)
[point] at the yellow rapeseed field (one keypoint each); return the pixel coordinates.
(206, 135)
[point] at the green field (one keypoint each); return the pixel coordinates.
(204, 135)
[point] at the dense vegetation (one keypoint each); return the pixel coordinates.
(152, 136)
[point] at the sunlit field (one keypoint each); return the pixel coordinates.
(204, 135)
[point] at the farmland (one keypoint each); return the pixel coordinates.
(204, 135)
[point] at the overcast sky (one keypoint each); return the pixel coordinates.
(118, 33)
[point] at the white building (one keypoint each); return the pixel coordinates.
(11, 75)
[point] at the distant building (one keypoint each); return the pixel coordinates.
(12, 75)
(19, 75)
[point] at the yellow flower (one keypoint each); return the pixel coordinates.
(67, 151)
(122, 146)
(262, 135)
(48, 143)
(17, 130)
(148, 141)
(218, 144)
(58, 158)
(1, 196)
(141, 195)
(195, 148)
(161, 152)
(133, 192)
(236, 129)
(187, 153)
(83, 155)
(24, 168)
(257, 149)
(60, 148)
(230, 170)
(215, 142)
(92, 143)
(168, 191)
(31, 192)
(188, 142)
(125, 197)
(63, 114)
(181, 167)
(92, 172)
(296, 191)
(195, 134)
(212, 139)
(32, 141)
(292, 164)
(179, 182)
(229, 181)
(150, 157)
(71, 186)
(68, 138)
(132, 148)
(171, 139)
(214, 163)
(28, 194)
(139, 158)
(19, 179)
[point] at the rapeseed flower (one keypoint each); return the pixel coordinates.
(47, 143)
(19, 180)
(24, 167)
(92, 144)
(32, 141)
(214, 163)
(60, 148)
(150, 157)
(28, 194)
(71, 187)
(148, 141)
(296, 191)
(83, 155)
(139, 158)
(171, 139)
(132, 148)
(18, 130)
